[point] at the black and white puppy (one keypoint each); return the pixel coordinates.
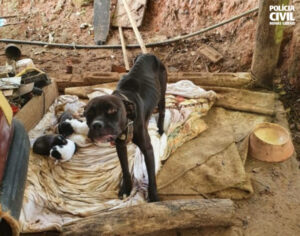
(56, 146)
(110, 118)
(45, 143)
(63, 127)
(68, 125)
(64, 152)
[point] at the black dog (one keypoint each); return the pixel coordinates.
(111, 117)
(45, 143)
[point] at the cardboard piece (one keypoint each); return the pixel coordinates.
(35, 109)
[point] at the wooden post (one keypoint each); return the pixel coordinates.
(294, 61)
(267, 45)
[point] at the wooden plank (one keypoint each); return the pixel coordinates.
(35, 109)
(153, 217)
(239, 79)
(134, 27)
(83, 91)
(125, 57)
(101, 20)
(210, 53)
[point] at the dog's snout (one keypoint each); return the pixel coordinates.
(97, 124)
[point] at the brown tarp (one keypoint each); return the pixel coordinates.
(212, 165)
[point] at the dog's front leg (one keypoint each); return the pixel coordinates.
(146, 147)
(126, 185)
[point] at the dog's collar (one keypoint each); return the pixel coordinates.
(128, 134)
(123, 96)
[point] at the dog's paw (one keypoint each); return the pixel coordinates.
(125, 190)
(153, 198)
(160, 131)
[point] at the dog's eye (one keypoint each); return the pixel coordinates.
(112, 111)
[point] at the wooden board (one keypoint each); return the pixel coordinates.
(137, 8)
(35, 109)
(101, 20)
(210, 53)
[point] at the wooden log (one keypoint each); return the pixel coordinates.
(235, 80)
(267, 45)
(238, 80)
(153, 217)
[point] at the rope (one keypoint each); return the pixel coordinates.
(171, 40)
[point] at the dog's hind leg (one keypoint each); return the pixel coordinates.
(144, 144)
(126, 185)
(162, 101)
(161, 115)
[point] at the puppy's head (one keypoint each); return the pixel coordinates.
(66, 115)
(54, 153)
(65, 128)
(59, 140)
(63, 152)
(106, 117)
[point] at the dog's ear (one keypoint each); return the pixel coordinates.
(86, 109)
(135, 59)
(130, 109)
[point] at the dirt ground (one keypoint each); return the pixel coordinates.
(274, 209)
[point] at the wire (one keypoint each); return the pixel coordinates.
(171, 40)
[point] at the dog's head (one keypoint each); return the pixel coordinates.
(65, 128)
(59, 140)
(106, 117)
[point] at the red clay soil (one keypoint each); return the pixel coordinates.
(275, 207)
(163, 19)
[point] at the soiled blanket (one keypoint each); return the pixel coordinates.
(88, 183)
